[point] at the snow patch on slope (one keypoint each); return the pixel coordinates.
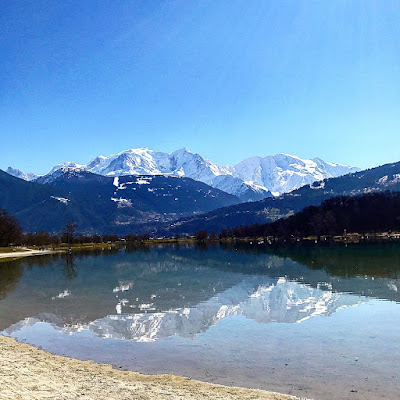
(61, 199)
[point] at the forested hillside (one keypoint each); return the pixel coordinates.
(377, 212)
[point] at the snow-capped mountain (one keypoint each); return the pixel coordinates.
(67, 169)
(283, 173)
(149, 162)
(252, 179)
(65, 166)
(379, 179)
(26, 176)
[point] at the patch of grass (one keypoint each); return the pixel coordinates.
(84, 246)
(11, 249)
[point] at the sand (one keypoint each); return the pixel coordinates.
(25, 253)
(29, 373)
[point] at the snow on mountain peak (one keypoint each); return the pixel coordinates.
(68, 164)
(282, 173)
(252, 179)
(26, 176)
(181, 152)
(67, 170)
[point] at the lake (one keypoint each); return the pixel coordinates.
(318, 322)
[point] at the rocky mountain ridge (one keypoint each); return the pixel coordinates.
(252, 179)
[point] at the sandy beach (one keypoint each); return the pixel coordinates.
(29, 373)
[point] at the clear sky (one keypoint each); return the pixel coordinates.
(228, 79)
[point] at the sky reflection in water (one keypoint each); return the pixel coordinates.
(247, 315)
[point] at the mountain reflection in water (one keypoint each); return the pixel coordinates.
(255, 298)
(146, 294)
(310, 321)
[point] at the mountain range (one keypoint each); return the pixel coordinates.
(379, 179)
(141, 190)
(252, 179)
(163, 204)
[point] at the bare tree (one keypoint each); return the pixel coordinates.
(10, 230)
(69, 233)
(201, 235)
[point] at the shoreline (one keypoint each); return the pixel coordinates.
(26, 253)
(28, 372)
(12, 253)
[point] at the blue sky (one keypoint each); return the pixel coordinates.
(228, 79)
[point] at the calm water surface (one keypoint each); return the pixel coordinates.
(322, 323)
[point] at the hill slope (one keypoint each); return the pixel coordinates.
(100, 204)
(372, 212)
(386, 177)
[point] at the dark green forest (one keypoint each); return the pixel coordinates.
(375, 212)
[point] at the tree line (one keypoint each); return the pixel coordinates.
(368, 213)
(11, 233)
